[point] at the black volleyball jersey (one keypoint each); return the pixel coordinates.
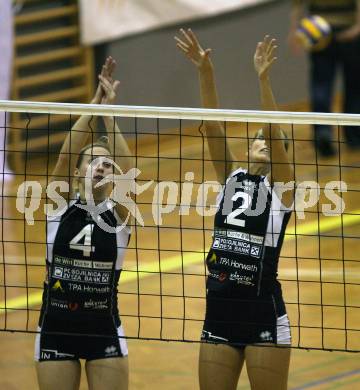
(248, 234)
(83, 263)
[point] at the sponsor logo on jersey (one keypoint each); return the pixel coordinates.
(205, 335)
(62, 260)
(73, 306)
(266, 336)
(57, 286)
(237, 246)
(236, 264)
(220, 276)
(216, 243)
(256, 239)
(85, 288)
(47, 354)
(111, 351)
(82, 263)
(65, 261)
(255, 251)
(97, 305)
(59, 304)
(82, 275)
(58, 272)
(62, 304)
(102, 265)
(239, 235)
(241, 279)
(213, 258)
(247, 185)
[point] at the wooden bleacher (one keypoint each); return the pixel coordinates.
(50, 65)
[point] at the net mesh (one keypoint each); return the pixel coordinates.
(163, 283)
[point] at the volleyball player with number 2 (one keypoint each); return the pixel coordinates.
(245, 319)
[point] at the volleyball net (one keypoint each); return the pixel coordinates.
(163, 283)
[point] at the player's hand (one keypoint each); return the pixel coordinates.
(109, 89)
(107, 71)
(109, 95)
(294, 43)
(190, 46)
(98, 95)
(349, 34)
(264, 56)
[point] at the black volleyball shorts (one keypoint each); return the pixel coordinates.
(64, 339)
(241, 320)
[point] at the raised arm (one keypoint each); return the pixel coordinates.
(353, 31)
(218, 147)
(281, 167)
(75, 140)
(118, 146)
(297, 12)
(117, 143)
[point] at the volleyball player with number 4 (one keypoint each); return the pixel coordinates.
(245, 318)
(79, 316)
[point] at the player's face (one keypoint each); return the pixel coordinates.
(97, 162)
(259, 149)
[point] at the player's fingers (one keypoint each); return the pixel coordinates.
(116, 85)
(271, 45)
(103, 70)
(271, 51)
(186, 36)
(266, 43)
(183, 48)
(99, 92)
(109, 93)
(271, 62)
(259, 48)
(104, 88)
(112, 65)
(105, 83)
(107, 71)
(107, 64)
(266, 39)
(181, 42)
(111, 68)
(207, 52)
(193, 38)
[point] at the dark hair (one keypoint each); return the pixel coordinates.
(102, 142)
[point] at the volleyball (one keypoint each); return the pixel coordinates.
(314, 32)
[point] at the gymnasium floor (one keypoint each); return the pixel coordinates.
(173, 365)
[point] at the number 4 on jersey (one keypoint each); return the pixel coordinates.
(86, 247)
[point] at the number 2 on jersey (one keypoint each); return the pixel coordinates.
(86, 247)
(231, 218)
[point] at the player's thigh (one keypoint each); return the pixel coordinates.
(58, 374)
(268, 367)
(108, 374)
(219, 366)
